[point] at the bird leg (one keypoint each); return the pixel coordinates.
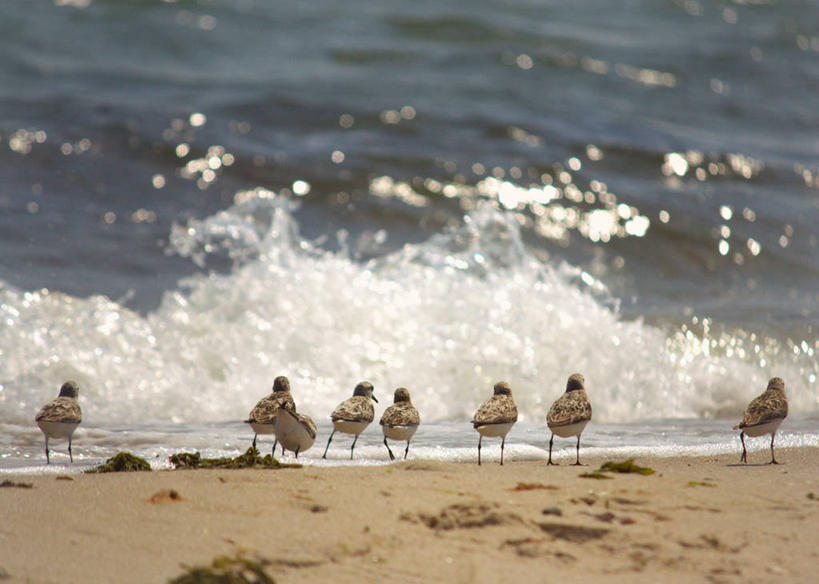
(254, 440)
(578, 452)
(48, 458)
(392, 456)
(503, 441)
(551, 440)
(328, 443)
(773, 458)
(479, 449)
(353, 446)
(406, 451)
(71, 456)
(744, 452)
(275, 442)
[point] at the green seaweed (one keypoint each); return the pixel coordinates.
(122, 462)
(701, 484)
(627, 466)
(226, 570)
(594, 475)
(250, 459)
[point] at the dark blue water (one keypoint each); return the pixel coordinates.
(520, 87)
(626, 188)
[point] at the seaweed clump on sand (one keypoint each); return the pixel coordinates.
(226, 570)
(595, 475)
(627, 466)
(122, 462)
(250, 459)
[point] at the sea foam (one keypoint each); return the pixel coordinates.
(445, 318)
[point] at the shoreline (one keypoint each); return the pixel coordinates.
(697, 519)
(445, 441)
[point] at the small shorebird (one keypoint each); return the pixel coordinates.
(61, 416)
(295, 432)
(400, 420)
(262, 417)
(763, 415)
(353, 414)
(496, 416)
(570, 413)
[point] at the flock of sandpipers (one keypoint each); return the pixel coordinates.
(276, 414)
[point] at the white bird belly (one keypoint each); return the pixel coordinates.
(58, 429)
(569, 430)
(260, 428)
(399, 432)
(291, 433)
(494, 430)
(350, 427)
(760, 429)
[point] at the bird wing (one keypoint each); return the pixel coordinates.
(61, 409)
(358, 408)
(570, 408)
(763, 409)
(402, 414)
(307, 422)
(265, 411)
(498, 409)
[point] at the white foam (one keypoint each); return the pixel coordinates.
(446, 318)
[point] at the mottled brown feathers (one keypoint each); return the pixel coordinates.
(358, 408)
(498, 409)
(570, 408)
(771, 405)
(60, 409)
(265, 411)
(402, 412)
(573, 406)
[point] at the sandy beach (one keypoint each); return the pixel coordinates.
(695, 520)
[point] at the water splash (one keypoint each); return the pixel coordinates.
(446, 318)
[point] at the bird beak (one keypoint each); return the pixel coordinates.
(374, 399)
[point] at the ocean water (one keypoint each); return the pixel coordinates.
(197, 196)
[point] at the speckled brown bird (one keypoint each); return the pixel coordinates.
(262, 417)
(353, 414)
(61, 416)
(569, 415)
(496, 416)
(400, 420)
(764, 415)
(295, 432)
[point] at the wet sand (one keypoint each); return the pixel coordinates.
(699, 519)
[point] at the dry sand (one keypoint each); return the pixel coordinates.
(424, 521)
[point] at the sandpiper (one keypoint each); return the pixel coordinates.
(570, 413)
(400, 420)
(61, 416)
(353, 414)
(295, 432)
(763, 415)
(262, 417)
(496, 416)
